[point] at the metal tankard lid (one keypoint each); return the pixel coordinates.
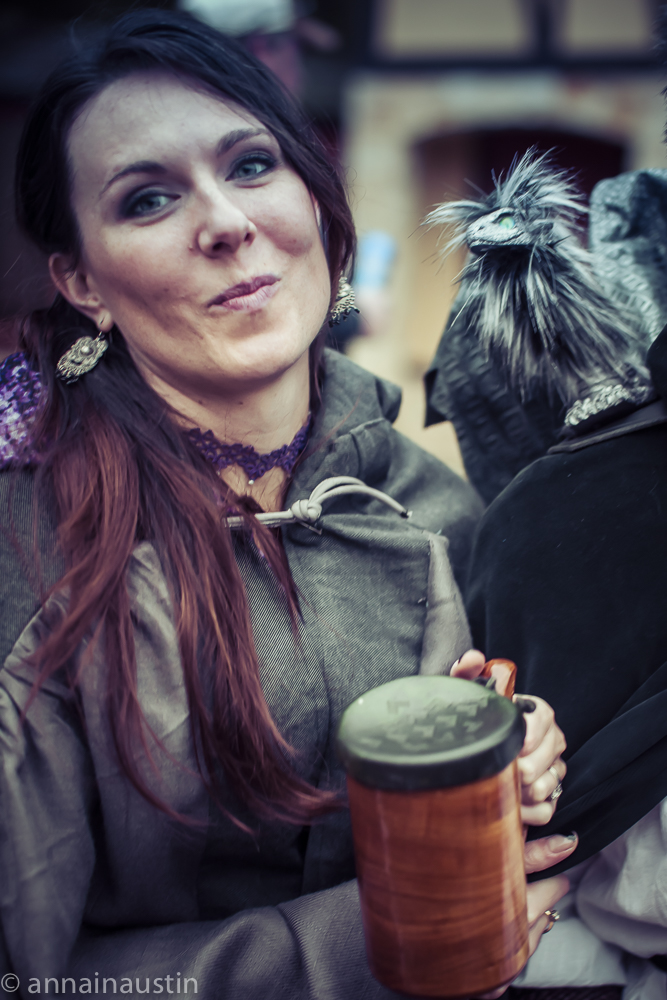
(428, 732)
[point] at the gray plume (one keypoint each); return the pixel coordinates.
(528, 286)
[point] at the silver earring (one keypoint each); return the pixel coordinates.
(344, 304)
(81, 357)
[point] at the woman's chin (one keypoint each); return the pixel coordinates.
(262, 356)
(226, 374)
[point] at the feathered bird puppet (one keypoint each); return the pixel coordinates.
(530, 295)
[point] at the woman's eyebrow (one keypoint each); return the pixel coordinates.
(238, 135)
(140, 167)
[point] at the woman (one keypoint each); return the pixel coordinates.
(160, 777)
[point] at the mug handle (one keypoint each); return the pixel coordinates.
(505, 673)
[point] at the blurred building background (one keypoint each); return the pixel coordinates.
(421, 99)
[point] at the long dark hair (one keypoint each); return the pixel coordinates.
(120, 468)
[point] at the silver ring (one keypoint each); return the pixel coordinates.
(558, 790)
(552, 916)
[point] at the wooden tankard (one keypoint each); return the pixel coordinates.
(434, 799)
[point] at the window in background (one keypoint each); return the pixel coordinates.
(511, 32)
(451, 28)
(594, 27)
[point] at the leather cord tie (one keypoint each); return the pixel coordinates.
(308, 512)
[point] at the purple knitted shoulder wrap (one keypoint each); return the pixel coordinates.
(20, 392)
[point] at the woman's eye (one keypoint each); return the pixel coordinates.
(252, 166)
(145, 203)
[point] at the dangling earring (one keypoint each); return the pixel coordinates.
(344, 304)
(81, 357)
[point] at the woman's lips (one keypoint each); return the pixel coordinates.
(248, 295)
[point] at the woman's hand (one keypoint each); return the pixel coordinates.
(540, 764)
(541, 896)
(538, 855)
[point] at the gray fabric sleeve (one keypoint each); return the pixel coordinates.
(308, 949)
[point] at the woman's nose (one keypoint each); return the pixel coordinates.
(224, 227)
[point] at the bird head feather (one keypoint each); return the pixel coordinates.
(529, 290)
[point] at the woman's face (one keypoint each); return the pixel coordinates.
(199, 242)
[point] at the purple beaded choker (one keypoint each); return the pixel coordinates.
(222, 455)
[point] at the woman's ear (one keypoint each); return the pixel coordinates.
(74, 285)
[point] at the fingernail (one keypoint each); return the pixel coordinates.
(572, 836)
(559, 843)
